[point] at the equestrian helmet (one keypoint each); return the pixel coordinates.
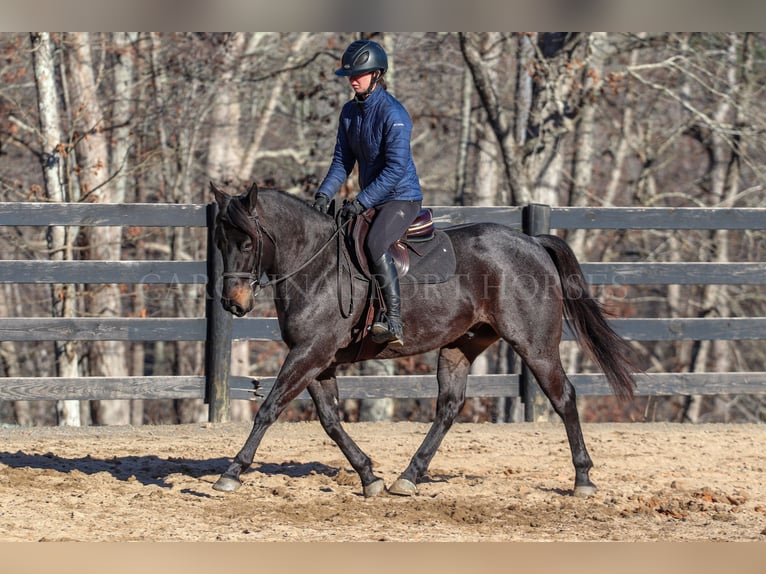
(361, 57)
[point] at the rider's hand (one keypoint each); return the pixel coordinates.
(351, 209)
(321, 203)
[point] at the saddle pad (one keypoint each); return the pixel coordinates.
(421, 260)
(431, 261)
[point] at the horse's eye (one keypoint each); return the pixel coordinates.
(247, 245)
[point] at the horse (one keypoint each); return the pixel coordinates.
(506, 285)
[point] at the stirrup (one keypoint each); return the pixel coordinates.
(382, 334)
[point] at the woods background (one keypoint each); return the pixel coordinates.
(580, 119)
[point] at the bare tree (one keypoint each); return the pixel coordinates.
(125, 45)
(486, 188)
(724, 188)
(54, 158)
(497, 117)
(254, 147)
(225, 155)
(108, 358)
(583, 158)
(548, 98)
(580, 119)
(461, 166)
(709, 79)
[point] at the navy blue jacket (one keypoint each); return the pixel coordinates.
(375, 133)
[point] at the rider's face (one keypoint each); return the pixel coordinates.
(361, 82)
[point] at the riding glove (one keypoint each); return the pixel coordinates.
(351, 209)
(321, 202)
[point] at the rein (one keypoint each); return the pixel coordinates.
(255, 274)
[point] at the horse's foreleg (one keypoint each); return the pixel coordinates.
(324, 391)
(452, 376)
(293, 377)
(275, 402)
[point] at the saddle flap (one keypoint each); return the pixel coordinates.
(360, 227)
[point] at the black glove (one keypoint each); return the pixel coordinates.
(321, 202)
(351, 209)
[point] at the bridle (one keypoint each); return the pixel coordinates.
(255, 274)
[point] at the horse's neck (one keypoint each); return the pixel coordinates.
(298, 237)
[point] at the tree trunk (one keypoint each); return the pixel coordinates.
(261, 129)
(177, 155)
(486, 184)
(54, 161)
(497, 117)
(123, 110)
(522, 103)
(615, 182)
(461, 166)
(724, 186)
(9, 356)
(225, 151)
(583, 160)
(225, 154)
(108, 358)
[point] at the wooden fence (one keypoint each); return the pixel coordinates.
(217, 328)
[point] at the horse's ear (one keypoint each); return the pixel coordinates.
(252, 196)
(220, 196)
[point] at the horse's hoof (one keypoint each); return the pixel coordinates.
(227, 484)
(584, 490)
(374, 489)
(403, 487)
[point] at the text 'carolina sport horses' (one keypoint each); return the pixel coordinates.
(506, 285)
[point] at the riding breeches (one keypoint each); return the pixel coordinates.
(391, 222)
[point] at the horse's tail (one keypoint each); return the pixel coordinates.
(586, 317)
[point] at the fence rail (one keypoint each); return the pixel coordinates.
(217, 328)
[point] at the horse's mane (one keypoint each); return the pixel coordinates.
(296, 200)
(237, 214)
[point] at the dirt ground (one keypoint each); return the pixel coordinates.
(504, 482)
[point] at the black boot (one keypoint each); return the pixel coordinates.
(392, 330)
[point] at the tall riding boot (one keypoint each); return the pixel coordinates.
(392, 330)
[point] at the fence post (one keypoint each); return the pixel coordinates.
(535, 220)
(219, 328)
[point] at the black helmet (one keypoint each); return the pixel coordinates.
(361, 57)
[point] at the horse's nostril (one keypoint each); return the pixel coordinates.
(235, 308)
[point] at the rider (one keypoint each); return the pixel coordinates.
(374, 131)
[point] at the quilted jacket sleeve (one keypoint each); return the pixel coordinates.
(342, 163)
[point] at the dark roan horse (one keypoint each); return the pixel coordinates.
(506, 285)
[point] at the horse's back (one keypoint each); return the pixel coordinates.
(495, 242)
(483, 230)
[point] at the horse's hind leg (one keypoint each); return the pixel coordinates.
(324, 391)
(452, 375)
(550, 375)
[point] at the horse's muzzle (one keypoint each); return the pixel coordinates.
(238, 300)
(234, 307)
